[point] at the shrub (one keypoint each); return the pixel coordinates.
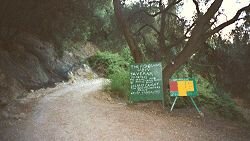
(217, 101)
(126, 55)
(120, 83)
(107, 63)
(115, 67)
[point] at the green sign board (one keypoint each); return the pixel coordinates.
(146, 82)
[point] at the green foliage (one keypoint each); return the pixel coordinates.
(90, 75)
(217, 100)
(120, 83)
(126, 54)
(116, 67)
(221, 59)
(107, 63)
(155, 33)
(62, 22)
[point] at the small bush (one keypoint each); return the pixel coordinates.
(90, 75)
(115, 67)
(120, 83)
(107, 63)
(126, 55)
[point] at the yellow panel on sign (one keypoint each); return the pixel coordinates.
(182, 88)
(189, 86)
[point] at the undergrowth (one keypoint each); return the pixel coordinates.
(217, 101)
(115, 67)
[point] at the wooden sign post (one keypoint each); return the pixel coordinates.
(183, 87)
(146, 82)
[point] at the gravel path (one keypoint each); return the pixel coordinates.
(81, 112)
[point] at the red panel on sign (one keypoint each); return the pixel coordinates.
(173, 86)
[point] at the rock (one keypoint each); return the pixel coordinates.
(70, 54)
(10, 89)
(29, 63)
(23, 66)
(22, 115)
(70, 75)
(80, 72)
(19, 116)
(5, 114)
(22, 101)
(15, 117)
(2, 76)
(2, 79)
(3, 102)
(87, 68)
(89, 49)
(109, 98)
(202, 114)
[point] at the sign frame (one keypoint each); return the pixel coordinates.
(189, 94)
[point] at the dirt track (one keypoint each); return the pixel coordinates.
(80, 112)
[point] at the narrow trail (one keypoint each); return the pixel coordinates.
(81, 112)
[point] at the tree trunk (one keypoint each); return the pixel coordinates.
(183, 57)
(161, 40)
(133, 45)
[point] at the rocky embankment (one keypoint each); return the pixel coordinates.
(27, 64)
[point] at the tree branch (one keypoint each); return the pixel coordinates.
(147, 25)
(231, 21)
(197, 7)
(212, 10)
(178, 42)
(189, 29)
(167, 8)
(154, 1)
(172, 14)
(216, 18)
(157, 13)
(143, 38)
